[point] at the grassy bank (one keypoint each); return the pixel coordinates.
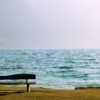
(18, 93)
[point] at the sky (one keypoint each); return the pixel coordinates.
(49, 24)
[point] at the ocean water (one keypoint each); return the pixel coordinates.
(54, 68)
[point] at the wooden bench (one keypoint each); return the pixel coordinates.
(19, 77)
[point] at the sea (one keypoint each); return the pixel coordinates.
(54, 68)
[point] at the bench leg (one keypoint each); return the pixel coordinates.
(28, 88)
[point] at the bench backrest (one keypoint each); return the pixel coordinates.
(18, 76)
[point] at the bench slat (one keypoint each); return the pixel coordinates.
(16, 83)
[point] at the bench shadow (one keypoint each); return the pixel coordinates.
(3, 93)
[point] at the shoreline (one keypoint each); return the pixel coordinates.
(23, 86)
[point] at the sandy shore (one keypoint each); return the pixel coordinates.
(19, 93)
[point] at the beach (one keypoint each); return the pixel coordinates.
(49, 50)
(19, 93)
(58, 73)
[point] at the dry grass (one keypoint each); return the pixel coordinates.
(18, 93)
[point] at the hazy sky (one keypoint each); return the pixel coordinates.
(49, 23)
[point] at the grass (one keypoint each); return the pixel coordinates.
(18, 93)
